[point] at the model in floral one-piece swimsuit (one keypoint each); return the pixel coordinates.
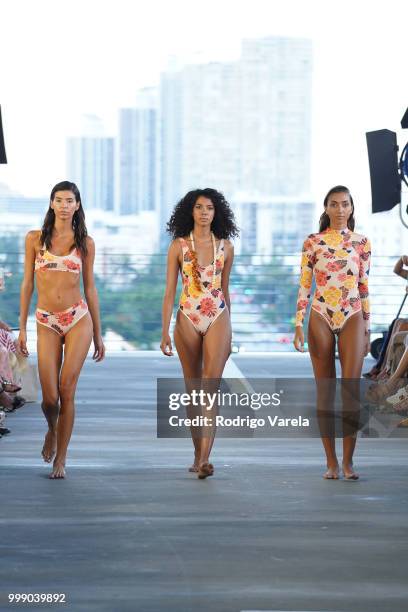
(202, 305)
(340, 263)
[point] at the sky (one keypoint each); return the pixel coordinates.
(60, 60)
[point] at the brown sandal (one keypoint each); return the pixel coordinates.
(9, 386)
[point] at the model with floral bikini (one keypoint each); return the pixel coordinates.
(201, 225)
(339, 260)
(57, 255)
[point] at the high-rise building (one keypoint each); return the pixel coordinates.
(241, 127)
(16, 203)
(210, 127)
(90, 164)
(274, 226)
(137, 155)
(170, 147)
(275, 116)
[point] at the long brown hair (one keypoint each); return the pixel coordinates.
(78, 220)
(324, 221)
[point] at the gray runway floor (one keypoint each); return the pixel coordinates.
(131, 530)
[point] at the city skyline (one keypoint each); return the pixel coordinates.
(138, 163)
(357, 85)
(242, 127)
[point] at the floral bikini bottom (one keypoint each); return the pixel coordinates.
(61, 322)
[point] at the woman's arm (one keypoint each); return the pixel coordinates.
(173, 267)
(306, 279)
(91, 296)
(305, 287)
(26, 289)
(365, 259)
(228, 261)
(399, 267)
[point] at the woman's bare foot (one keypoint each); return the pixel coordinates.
(194, 466)
(399, 400)
(379, 392)
(349, 473)
(402, 406)
(332, 472)
(50, 446)
(58, 470)
(205, 469)
(5, 400)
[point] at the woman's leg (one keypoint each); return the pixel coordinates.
(77, 343)
(5, 373)
(400, 367)
(322, 346)
(49, 356)
(384, 347)
(351, 347)
(376, 369)
(5, 368)
(216, 350)
(5, 400)
(189, 344)
(398, 353)
(400, 325)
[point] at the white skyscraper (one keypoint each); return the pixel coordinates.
(210, 127)
(275, 116)
(90, 164)
(241, 127)
(137, 155)
(170, 147)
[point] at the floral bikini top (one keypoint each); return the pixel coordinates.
(60, 263)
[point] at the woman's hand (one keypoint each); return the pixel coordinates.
(99, 352)
(166, 346)
(299, 340)
(5, 326)
(22, 343)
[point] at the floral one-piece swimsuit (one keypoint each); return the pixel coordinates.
(202, 306)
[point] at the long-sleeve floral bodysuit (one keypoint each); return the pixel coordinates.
(340, 262)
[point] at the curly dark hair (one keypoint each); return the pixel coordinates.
(78, 220)
(181, 221)
(324, 221)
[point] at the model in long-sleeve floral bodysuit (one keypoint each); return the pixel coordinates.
(339, 260)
